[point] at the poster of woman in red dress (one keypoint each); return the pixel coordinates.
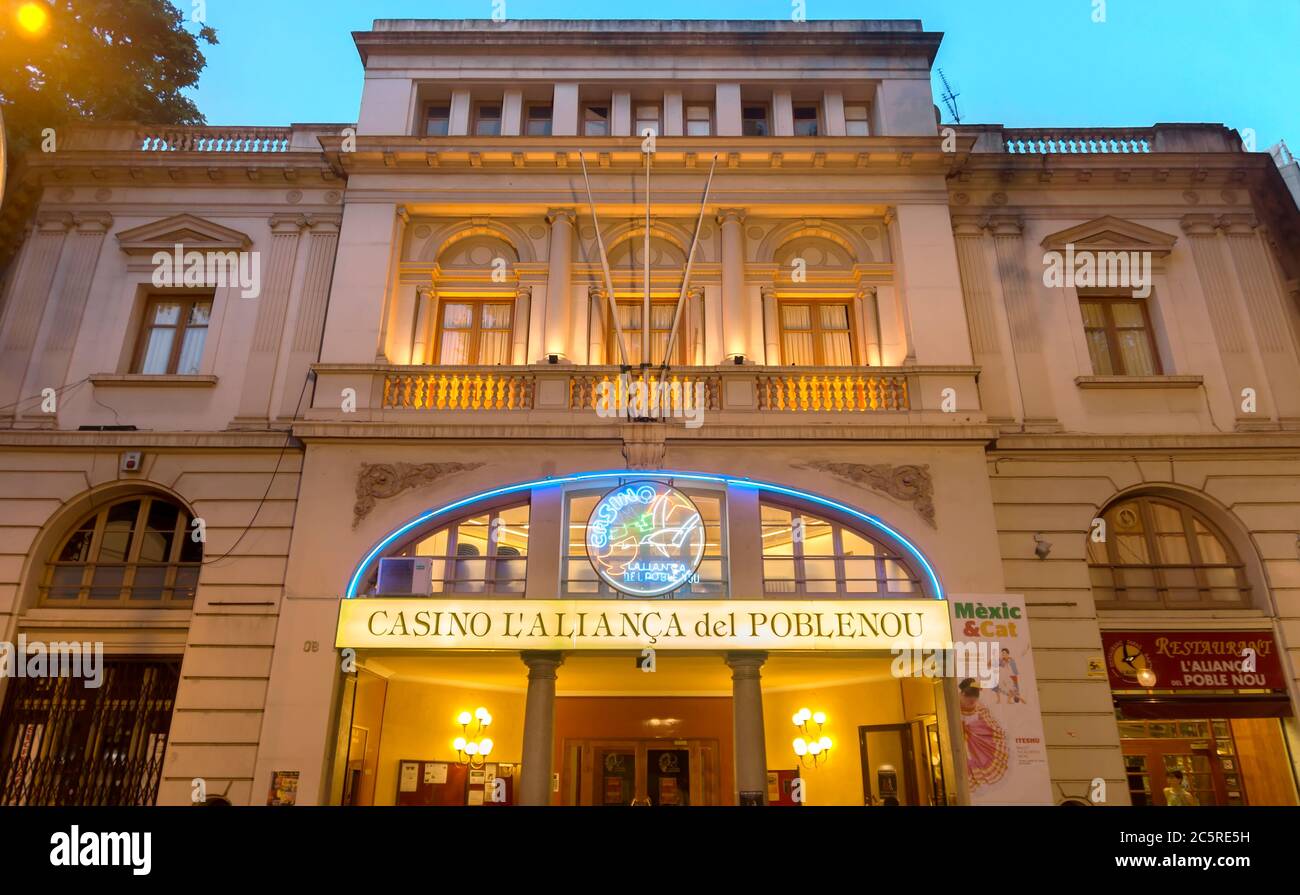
(986, 741)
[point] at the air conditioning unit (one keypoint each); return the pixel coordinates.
(405, 575)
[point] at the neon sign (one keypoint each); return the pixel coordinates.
(645, 538)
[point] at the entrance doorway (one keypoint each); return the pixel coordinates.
(658, 772)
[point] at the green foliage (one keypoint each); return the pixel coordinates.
(102, 60)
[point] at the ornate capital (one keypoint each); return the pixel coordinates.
(54, 222)
(1008, 225)
(1197, 224)
(695, 293)
(731, 216)
(767, 290)
(1237, 224)
(556, 215)
(967, 225)
(92, 221)
(909, 483)
(594, 291)
(289, 223)
(380, 481)
(524, 290)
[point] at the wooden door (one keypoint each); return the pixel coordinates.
(1149, 765)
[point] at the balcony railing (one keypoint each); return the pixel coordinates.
(215, 139)
(595, 395)
(459, 389)
(673, 392)
(826, 392)
(1079, 140)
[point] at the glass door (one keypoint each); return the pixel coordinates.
(642, 772)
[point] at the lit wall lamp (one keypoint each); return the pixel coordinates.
(474, 749)
(814, 745)
(1042, 546)
(1146, 677)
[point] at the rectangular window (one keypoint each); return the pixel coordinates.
(595, 121)
(805, 120)
(661, 325)
(1120, 339)
(855, 121)
(175, 329)
(647, 118)
(538, 123)
(487, 120)
(754, 121)
(474, 333)
(816, 334)
(699, 121)
(437, 119)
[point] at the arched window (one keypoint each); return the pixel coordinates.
(1160, 553)
(808, 556)
(138, 551)
(483, 553)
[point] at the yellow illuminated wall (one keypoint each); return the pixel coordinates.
(420, 724)
(847, 707)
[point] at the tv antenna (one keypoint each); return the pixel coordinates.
(950, 98)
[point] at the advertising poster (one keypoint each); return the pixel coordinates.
(284, 788)
(1002, 728)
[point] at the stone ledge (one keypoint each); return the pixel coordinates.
(151, 380)
(1139, 381)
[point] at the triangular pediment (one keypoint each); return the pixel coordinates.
(189, 231)
(1112, 234)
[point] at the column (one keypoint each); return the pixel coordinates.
(1023, 321)
(272, 308)
(747, 722)
(558, 281)
(421, 341)
(871, 325)
(732, 221)
(523, 313)
(986, 346)
(695, 318)
(1226, 317)
(771, 327)
(596, 331)
(1266, 308)
(26, 305)
(309, 324)
(726, 109)
(539, 727)
(49, 368)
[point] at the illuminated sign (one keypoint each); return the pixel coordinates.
(645, 538)
(451, 624)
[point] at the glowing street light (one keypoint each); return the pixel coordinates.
(33, 17)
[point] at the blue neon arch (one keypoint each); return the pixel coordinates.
(364, 566)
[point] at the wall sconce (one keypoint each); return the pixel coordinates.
(1146, 677)
(1042, 546)
(813, 745)
(473, 749)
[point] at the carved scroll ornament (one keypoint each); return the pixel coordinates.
(909, 483)
(380, 481)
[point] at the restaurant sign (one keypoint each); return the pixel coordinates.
(452, 624)
(1193, 660)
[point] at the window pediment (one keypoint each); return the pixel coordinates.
(191, 232)
(1112, 234)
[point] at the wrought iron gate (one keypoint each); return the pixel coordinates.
(62, 743)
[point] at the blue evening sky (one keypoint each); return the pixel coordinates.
(1022, 63)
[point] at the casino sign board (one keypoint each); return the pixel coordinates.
(645, 539)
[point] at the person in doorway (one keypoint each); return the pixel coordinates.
(1177, 793)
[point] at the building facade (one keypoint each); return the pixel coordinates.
(315, 430)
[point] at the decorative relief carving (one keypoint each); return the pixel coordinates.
(380, 481)
(910, 483)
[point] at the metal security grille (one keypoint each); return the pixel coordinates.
(62, 743)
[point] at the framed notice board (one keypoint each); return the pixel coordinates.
(451, 783)
(431, 782)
